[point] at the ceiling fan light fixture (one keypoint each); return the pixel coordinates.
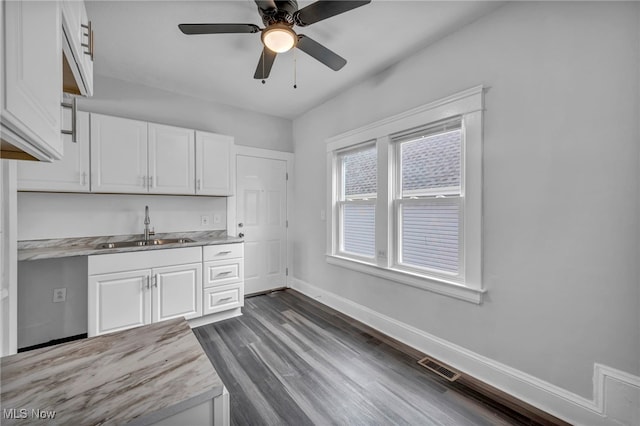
(279, 38)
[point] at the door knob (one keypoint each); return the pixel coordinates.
(241, 235)
(240, 225)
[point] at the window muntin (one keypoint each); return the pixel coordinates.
(428, 200)
(357, 201)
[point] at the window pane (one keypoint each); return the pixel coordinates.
(431, 162)
(430, 234)
(360, 171)
(358, 229)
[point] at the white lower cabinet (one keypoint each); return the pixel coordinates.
(223, 277)
(132, 289)
(118, 301)
(177, 292)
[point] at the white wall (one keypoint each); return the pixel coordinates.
(43, 215)
(561, 188)
(124, 99)
(39, 319)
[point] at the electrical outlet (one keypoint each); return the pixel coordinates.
(59, 295)
(204, 220)
(217, 218)
(382, 254)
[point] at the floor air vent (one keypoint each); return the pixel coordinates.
(439, 369)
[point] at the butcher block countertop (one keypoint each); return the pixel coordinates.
(136, 376)
(87, 246)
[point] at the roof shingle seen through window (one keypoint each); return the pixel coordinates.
(360, 172)
(432, 162)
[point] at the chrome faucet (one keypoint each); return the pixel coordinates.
(147, 222)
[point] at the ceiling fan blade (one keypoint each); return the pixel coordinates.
(321, 53)
(325, 9)
(264, 64)
(266, 5)
(191, 29)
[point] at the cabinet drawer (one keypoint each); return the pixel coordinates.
(223, 251)
(129, 261)
(217, 299)
(221, 272)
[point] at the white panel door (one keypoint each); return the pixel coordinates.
(118, 155)
(171, 160)
(213, 164)
(261, 210)
(119, 301)
(33, 74)
(177, 292)
(71, 173)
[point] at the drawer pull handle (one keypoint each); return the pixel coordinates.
(224, 299)
(224, 252)
(219, 274)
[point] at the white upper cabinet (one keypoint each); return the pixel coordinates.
(32, 83)
(214, 164)
(77, 45)
(71, 174)
(118, 155)
(171, 160)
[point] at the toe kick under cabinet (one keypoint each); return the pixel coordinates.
(137, 288)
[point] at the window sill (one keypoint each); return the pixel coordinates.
(444, 287)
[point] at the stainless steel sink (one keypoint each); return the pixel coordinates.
(140, 243)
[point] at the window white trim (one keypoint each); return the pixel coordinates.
(468, 105)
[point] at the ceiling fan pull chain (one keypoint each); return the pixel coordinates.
(263, 66)
(295, 74)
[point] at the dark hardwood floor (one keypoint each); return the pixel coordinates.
(290, 361)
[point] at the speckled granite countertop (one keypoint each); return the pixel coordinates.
(138, 376)
(86, 246)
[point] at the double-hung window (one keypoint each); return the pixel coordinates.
(428, 202)
(405, 197)
(357, 201)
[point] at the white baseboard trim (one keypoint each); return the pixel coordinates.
(611, 405)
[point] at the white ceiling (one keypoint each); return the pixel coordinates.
(139, 41)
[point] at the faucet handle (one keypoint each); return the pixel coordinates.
(153, 231)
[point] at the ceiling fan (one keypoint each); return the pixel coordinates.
(278, 36)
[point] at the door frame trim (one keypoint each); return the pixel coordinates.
(288, 158)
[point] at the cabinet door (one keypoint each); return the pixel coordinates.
(71, 173)
(119, 301)
(213, 164)
(74, 17)
(32, 77)
(177, 292)
(118, 155)
(171, 160)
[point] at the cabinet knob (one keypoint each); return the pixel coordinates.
(241, 235)
(240, 225)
